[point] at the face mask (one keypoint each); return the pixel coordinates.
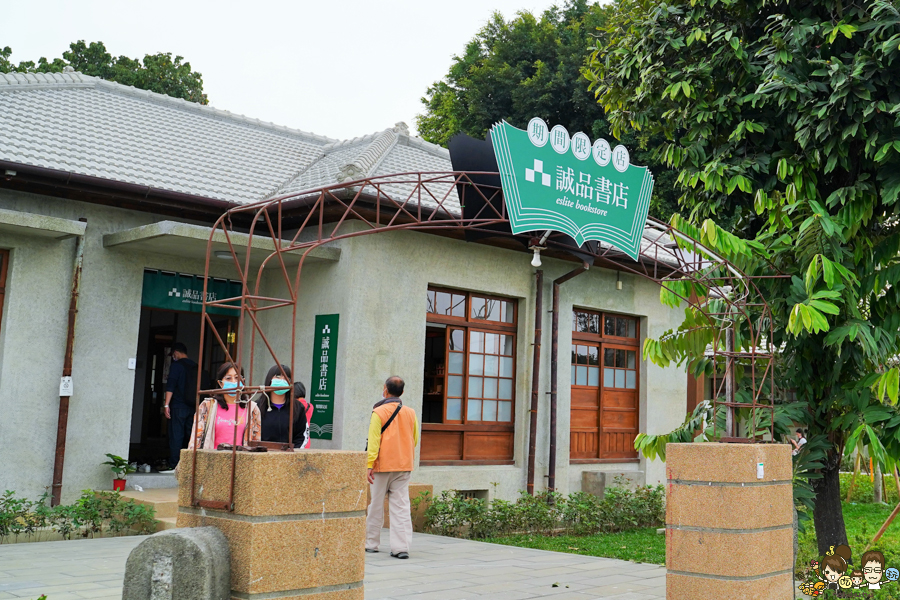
(232, 385)
(280, 383)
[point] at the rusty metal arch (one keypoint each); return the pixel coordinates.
(432, 201)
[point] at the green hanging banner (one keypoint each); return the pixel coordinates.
(553, 181)
(179, 291)
(324, 363)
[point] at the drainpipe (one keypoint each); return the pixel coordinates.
(535, 376)
(63, 422)
(554, 369)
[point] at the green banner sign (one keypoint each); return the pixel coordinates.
(589, 191)
(324, 364)
(178, 291)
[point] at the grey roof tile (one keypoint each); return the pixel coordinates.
(73, 122)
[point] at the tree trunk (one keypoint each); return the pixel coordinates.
(828, 515)
(879, 485)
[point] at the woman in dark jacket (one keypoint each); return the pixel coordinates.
(275, 410)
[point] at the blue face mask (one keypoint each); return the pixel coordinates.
(282, 384)
(232, 385)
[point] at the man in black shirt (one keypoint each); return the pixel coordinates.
(180, 406)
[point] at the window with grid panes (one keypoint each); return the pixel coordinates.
(4, 266)
(605, 381)
(469, 387)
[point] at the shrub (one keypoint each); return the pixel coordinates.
(547, 513)
(92, 513)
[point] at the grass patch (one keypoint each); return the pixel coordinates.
(638, 545)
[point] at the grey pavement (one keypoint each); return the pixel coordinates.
(439, 568)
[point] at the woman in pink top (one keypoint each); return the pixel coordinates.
(215, 422)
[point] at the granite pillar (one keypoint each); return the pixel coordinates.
(297, 530)
(729, 521)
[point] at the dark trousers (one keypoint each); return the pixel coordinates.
(179, 431)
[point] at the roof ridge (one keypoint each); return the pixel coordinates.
(429, 147)
(367, 161)
(78, 79)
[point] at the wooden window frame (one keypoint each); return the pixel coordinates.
(601, 340)
(4, 269)
(468, 324)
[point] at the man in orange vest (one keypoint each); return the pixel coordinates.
(393, 436)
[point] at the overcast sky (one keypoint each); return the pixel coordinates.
(341, 68)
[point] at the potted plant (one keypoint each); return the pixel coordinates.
(120, 468)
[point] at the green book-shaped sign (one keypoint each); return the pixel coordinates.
(554, 181)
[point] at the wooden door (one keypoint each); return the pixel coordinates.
(619, 401)
(584, 439)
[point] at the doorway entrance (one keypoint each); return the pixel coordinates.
(159, 330)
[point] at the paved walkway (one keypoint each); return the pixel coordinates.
(440, 568)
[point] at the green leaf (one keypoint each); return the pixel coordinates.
(812, 275)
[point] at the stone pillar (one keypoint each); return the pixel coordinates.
(298, 526)
(729, 533)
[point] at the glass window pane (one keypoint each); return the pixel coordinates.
(457, 337)
(477, 307)
(454, 409)
(491, 365)
(579, 321)
(506, 389)
(491, 343)
(476, 364)
(609, 326)
(582, 355)
(595, 324)
(454, 385)
(473, 410)
(509, 312)
(490, 387)
(475, 387)
(489, 411)
(630, 354)
(581, 376)
(430, 303)
(506, 345)
(620, 358)
(574, 354)
(632, 328)
(572, 382)
(492, 310)
(630, 379)
(506, 366)
(593, 355)
(608, 377)
(505, 411)
(609, 357)
(455, 363)
(593, 376)
(459, 306)
(443, 303)
(621, 327)
(476, 341)
(620, 378)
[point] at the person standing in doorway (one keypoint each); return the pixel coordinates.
(393, 437)
(181, 386)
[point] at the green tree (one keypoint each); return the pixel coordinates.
(156, 72)
(527, 67)
(782, 119)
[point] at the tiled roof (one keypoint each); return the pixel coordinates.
(384, 153)
(76, 123)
